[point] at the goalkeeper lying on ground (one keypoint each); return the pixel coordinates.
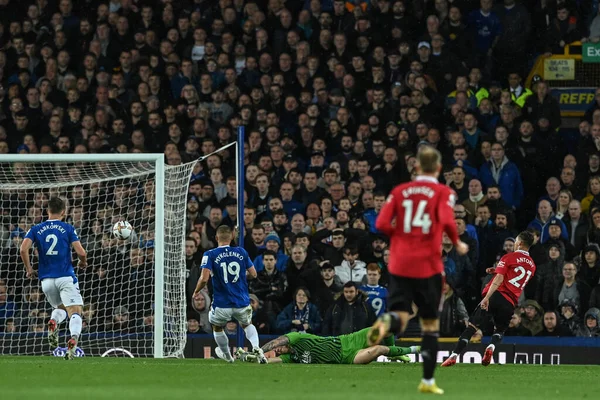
(304, 348)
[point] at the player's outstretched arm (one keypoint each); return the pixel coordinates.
(204, 277)
(24, 250)
(81, 254)
(273, 344)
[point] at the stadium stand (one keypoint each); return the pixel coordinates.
(336, 97)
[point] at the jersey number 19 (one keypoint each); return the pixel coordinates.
(232, 269)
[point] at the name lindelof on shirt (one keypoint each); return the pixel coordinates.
(229, 254)
(52, 226)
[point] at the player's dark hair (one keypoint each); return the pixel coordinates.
(429, 159)
(527, 238)
(270, 253)
(56, 205)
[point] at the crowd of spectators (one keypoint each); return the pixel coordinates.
(336, 97)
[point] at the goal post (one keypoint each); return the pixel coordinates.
(101, 188)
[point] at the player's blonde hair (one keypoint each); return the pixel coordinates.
(429, 159)
(224, 232)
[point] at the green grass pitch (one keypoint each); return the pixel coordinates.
(121, 378)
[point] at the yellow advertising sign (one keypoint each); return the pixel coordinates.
(559, 69)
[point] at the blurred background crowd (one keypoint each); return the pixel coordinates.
(336, 97)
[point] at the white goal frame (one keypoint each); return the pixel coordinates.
(159, 169)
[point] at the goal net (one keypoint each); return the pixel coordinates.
(133, 290)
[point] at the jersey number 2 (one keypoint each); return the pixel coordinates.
(516, 281)
(54, 239)
(232, 269)
(420, 219)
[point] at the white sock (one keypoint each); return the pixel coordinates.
(413, 349)
(59, 315)
(252, 336)
(75, 325)
(222, 341)
(453, 354)
(491, 346)
(428, 381)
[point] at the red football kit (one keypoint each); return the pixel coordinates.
(517, 268)
(414, 217)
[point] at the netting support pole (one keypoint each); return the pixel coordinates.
(240, 177)
(159, 257)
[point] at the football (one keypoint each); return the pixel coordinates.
(122, 230)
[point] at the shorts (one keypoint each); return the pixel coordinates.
(221, 316)
(426, 293)
(357, 341)
(500, 310)
(63, 291)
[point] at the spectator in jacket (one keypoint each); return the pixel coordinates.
(459, 272)
(568, 287)
(328, 287)
(516, 328)
(300, 315)
(331, 252)
(273, 243)
(352, 269)
(577, 227)
(553, 232)
(542, 220)
(299, 271)
(199, 312)
(590, 326)
(504, 173)
(270, 283)
(543, 105)
(593, 190)
(532, 317)
(454, 316)
(595, 297)
(568, 316)
(551, 326)
(475, 199)
(589, 271)
(260, 317)
(593, 235)
(350, 313)
(546, 273)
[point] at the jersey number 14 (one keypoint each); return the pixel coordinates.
(416, 219)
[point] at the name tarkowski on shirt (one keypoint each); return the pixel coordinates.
(52, 226)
